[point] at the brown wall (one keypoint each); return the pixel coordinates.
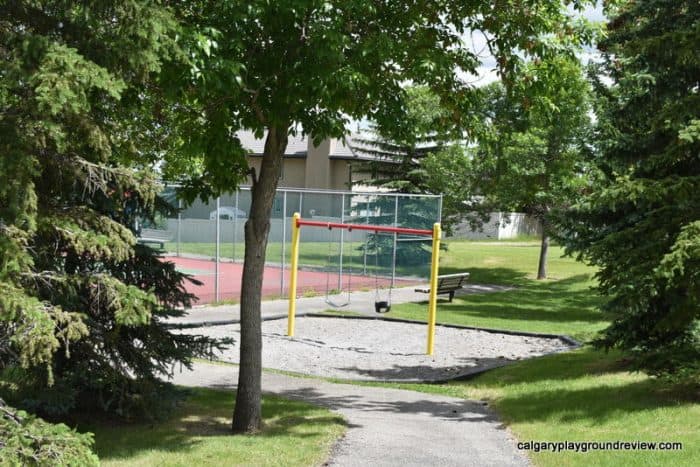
(314, 171)
(358, 176)
(318, 166)
(340, 175)
(293, 173)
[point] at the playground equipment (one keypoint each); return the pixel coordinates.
(298, 223)
(348, 288)
(382, 306)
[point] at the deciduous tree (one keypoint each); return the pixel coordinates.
(308, 66)
(530, 154)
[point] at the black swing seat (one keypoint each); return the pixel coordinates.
(382, 306)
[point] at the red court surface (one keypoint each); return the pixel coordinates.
(230, 273)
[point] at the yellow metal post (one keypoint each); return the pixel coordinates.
(293, 275)
(432, 300)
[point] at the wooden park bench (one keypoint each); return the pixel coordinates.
(155, 236)
(449, 283)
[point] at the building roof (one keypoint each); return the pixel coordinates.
(297, 146)
(342, 149)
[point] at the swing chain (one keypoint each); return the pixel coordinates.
(380, 306)
(328, 273)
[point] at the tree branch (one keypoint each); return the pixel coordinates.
(8, 414)
(252, 175)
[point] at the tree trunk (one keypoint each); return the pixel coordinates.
(542, 267)
(247, 412)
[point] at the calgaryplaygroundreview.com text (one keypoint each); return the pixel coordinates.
(586, 446)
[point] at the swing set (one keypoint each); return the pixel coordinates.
(380, 305)
(342, 297)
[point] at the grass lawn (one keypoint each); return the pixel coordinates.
(589, 396)
(198, 434)
(585, 395)
(562, 304)
(313, 254)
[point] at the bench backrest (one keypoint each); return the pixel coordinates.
(452, 280)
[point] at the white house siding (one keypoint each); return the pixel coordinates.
(500, 226)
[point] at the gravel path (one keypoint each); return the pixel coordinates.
(381, 350)
(389, 427)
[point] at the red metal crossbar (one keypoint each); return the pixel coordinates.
(373, 228)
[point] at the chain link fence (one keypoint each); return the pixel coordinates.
(206, 240)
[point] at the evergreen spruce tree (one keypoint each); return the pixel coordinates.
(391, 158)
(408, 156)
(641, 223)
(81, 304)
(392, 155)
(26, 440)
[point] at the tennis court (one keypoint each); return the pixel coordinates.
(275, 280)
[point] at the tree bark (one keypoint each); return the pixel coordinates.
(247, 416)
(544, 248)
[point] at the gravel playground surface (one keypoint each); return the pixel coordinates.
(382, 350)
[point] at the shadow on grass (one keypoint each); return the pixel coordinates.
(207, 414)
(498, 276)
(586, 385)
(554, 301)
(580, 363)
(596, 404)
(566, 306)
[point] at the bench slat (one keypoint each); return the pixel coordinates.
(449, 283)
